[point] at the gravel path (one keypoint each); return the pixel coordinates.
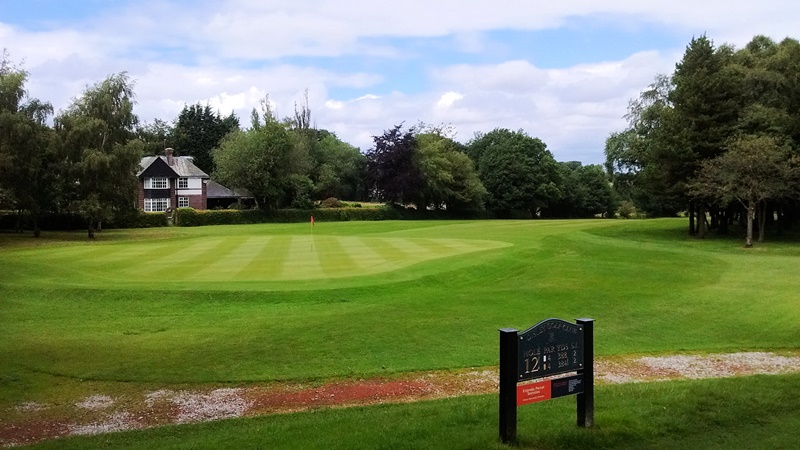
(101, 413)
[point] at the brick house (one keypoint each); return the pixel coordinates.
(169, 182)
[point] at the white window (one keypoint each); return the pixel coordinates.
(156, 183)
(183, 183)
(156, 204)
(183, 202)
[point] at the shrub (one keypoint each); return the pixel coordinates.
(331, 202)
(626, 209)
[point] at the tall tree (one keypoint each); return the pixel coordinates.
(448, 175)
(96, 131)
(155, 136)
(259, 160)
(393, 175)
(27, 157)
(585, 192)
(339, 168)
(753, 170)
(198, 130)
(517, 170)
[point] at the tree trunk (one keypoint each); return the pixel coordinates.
(751, 212)
(701, 221)
(762, 221)
(90, 231)
(18, 226)
(36, 231)
(691, 219)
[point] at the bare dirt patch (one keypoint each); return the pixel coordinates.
(101, 413)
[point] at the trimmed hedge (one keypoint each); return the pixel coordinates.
(68, 222)
(188, 217)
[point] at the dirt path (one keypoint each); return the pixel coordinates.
(32, 422)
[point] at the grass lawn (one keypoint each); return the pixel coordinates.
(236, 304)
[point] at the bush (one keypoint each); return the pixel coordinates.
(331, 202)
(626, 209)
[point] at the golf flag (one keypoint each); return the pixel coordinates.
(312, 221)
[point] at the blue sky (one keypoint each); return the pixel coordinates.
(561, 72)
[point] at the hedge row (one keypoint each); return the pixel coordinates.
(50, 222)
(188, 217)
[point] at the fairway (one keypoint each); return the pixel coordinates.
(173, 308)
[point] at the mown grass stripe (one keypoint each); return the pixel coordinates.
(302, 262)
(335, 259)
(411, 248)
(68, 253)
(267, 264)
(363, 253)
(192, 262)
(235, 259)
(167, 266)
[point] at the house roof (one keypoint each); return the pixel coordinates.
(181, 165)
(216, 190)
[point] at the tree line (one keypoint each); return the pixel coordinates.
(83, 160)
(718, 139)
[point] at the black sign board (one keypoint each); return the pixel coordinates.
(550, 347)
(566, 386)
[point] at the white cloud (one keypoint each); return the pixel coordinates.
(231, 54)
(447, 99)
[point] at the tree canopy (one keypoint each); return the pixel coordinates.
(96, 132)
(198, 129)
(517, 170)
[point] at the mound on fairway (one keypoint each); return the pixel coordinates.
(256, 258)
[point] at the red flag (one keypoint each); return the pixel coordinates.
(312, 221)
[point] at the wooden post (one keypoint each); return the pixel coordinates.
(508, 384)
(586, 399)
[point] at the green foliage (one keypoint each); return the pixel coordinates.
(188, 217)
(96, 131)
(517, 170)
(331, 202)
(27, 147)
(448, 175)
(585, 192)
(155, 136)
(715, 96)
(198, 130)
(256, 160)
(339, 168)
(627, 209)
(392, 173)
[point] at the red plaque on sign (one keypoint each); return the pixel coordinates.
(533, 392)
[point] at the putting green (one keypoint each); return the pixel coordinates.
(255, 258)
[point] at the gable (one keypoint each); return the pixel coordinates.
(157, 168)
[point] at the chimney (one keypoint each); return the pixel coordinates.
(170, 159)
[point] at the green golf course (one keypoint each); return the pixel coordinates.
(272, 302)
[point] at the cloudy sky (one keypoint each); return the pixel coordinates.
(562, 71)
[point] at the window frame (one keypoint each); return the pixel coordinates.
(182, 200)
(155, 204)
(156, 183)
(183, 183)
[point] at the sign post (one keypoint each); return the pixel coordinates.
(551, 347)
(585, 400)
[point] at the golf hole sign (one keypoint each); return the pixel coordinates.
(550, 347)
(545, 350)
